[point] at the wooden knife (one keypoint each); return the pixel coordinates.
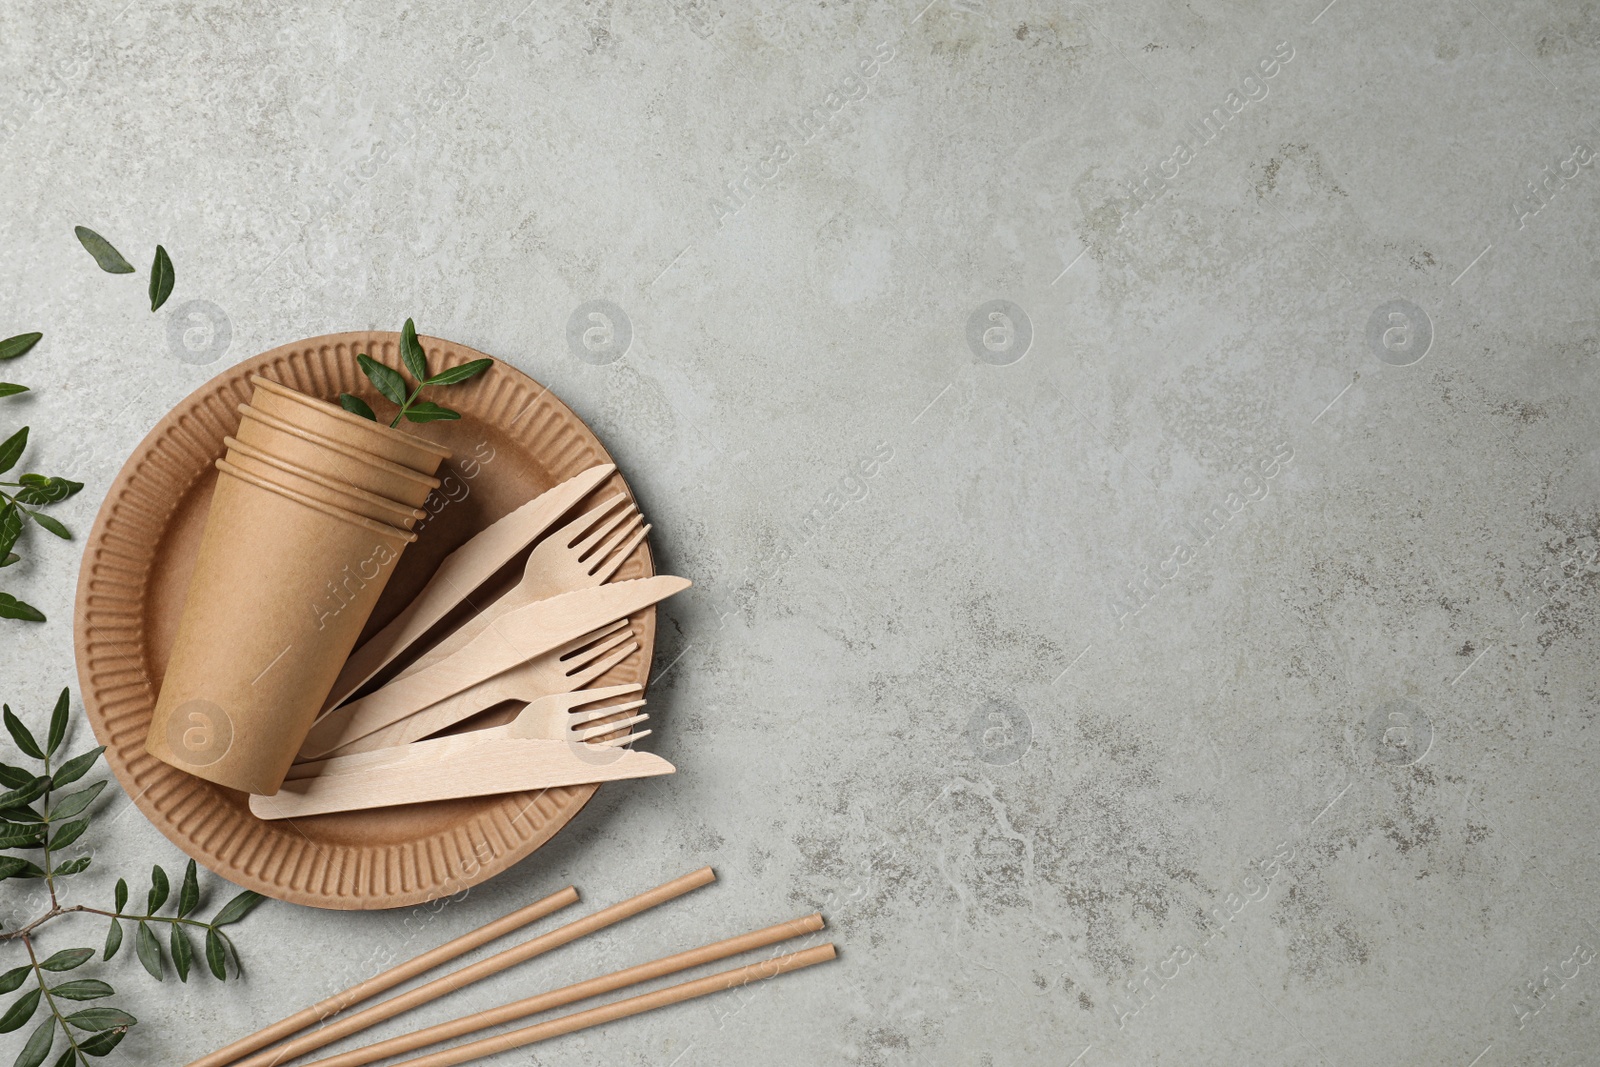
(451, 767)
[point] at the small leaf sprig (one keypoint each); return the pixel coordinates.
(33, 817)
(392, 384)
(19, 499)
(112, 262)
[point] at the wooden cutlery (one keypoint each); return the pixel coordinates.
(514, 639)
(558, 717)
(562, 670)
(446, 768)
(461, 572)
(560, 628)
(554, 718)
(584, 553)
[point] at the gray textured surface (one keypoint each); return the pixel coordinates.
(1018, 787)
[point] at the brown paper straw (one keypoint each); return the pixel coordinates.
(621, 1009)
(449, 983)
(386, 981)
(558, 998)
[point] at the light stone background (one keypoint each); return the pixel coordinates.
(1053, 818)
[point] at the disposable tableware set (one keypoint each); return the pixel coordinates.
(313, 498)
(265, 691)
(325, 1022)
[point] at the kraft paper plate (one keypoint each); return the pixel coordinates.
(514, 441)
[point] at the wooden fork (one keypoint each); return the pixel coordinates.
(572, 666)
(585, 552)
(557, 718)
(552, 718)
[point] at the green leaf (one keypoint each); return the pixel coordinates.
(38, 1046)
(21, 1011)
(237, 908)
(37, 489)
(58, 723)
(182, 952)
(12, 347)
(19, 734)
(100, 1018)
(161, 278)
(72, 803)
(216, 956)
(159, 888)
(10, 525)
(69, 833)
(113, 939)
(24, 794)
(428, 411)
(82, 989)
(12, 608)
(461, 373)
(122, 896)
(149, 950)
(13, 777)
(11, 449)
(76, 866)
(14, 836)
(53, 525)
(8, 559)
(67, 959)
(68, 1057)
(386, 378)
(356, 406)
(109, 258)
(14, 977)
(75, 768)
(17, 867)
(12, 388)
(411, 353)
(189, 892)
(103, 1042)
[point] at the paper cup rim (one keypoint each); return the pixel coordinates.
(389, 466)
(357, 421)
(333, 485)
(351, 517)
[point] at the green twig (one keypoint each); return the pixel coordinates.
(412, 399)
(50, 1001)
(44, 820)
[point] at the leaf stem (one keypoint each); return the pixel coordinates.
(44, 819)
(406, 406)
(142, 918)
(55, 912)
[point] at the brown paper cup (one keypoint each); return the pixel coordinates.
(330, 420)
(282, 586)
(320, 487)
(315, 452)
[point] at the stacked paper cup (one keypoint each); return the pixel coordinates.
(310, 514)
